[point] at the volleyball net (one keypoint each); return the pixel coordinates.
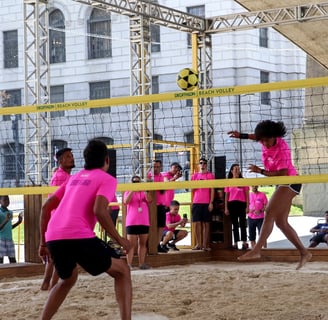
(300, 104)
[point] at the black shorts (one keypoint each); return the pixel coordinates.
(137, 229)
(296, 187)
(161, 216)
(200, 212)
(93, 255)
(318, 238)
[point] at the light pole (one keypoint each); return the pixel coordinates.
(14, 127)
(239, 129)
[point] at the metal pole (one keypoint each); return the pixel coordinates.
(240, 141)
(14, 122)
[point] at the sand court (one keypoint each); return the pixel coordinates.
(216, 290)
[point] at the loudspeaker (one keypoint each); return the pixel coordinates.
(112, 162)
(220, 163)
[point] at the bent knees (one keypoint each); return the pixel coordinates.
(119, 268)
(69, 282)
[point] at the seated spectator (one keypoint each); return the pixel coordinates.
(171, 235)
(321, 230)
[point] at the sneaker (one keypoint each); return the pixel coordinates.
(144, 266)
(172, 246)
(161, 248)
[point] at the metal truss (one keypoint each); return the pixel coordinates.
(268, 18)
(206, 116)
(36, 91)
(142, 115)
(157, 13)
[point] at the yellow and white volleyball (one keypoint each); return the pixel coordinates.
(148, 316)
(187, 79)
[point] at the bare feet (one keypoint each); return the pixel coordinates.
(304, 259)
(250, 255)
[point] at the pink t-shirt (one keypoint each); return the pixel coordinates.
(59, 177)
(257, 201)
(278, 157)
(169, 193)
(202, 195)
(236, 193)
(137, 213)
(160, 195)
(74, 217)
(171, 218)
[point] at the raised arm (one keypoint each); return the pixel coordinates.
(239, 135)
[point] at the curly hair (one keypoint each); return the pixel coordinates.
(270, 129)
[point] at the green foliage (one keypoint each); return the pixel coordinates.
(295, 210)
(185, 197)
(18, 234)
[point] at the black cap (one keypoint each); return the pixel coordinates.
(203, 159)
(61, 152)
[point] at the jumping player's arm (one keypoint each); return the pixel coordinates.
(100, 210)
(239, 135)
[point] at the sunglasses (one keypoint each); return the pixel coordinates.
(134, 181)
(202, 162)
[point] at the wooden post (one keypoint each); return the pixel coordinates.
(32, 209)
(153, 237)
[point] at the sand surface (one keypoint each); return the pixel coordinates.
(218, 290)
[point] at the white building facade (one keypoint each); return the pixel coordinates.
(85, 66)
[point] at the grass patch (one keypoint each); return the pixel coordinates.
(185, 197)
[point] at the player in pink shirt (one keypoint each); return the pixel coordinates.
(65, 160)
(171, 235)
(137, 222)
(172, 175)
(257, 203)
(161, 201)
(276, 157)
(236, 206)
(202, 206)
(67, 234)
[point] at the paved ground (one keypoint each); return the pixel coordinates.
(302, 225)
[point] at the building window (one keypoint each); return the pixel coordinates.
(196, 11)
(265, 96)
(10, 49)
(13, 161)
(155, 32)
(14, 98)
(55, 146)
(57, 37)
(155, 89)
(56, 96)
(99, 40)
(99, 90)
(264, 37)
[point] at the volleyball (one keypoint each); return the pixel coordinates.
(187, 79)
